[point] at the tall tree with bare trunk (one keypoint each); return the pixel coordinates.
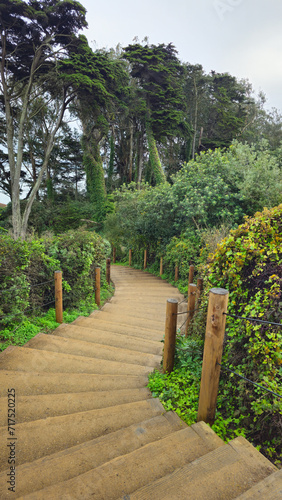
(35, 39)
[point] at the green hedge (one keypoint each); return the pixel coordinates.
(27, 272)
(249, 264)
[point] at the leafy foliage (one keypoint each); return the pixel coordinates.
(27, 275)
(63, 216)
(79, 252)
(248, 263)
(183, 252)
(179, 390)
(23, 265)
(205, 192)
(35, 37)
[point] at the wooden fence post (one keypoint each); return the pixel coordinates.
(170, 335)
(145, 259)
(215, 329)
(130, 256)
(97, 286)
(191, 275)
(114, 255)
(161, 267)
(190, 305)
(176, 275)
(58, 296)
(108, 271)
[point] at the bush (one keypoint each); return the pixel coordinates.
(183, 251)
(79, 252)
(249, 264)
(23, 266)
(56, 217)
(27, 275)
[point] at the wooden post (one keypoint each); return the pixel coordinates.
(191, 305)
(58, 296)
(130, 256)
(108, 271)
(97, 286)
(145, 259)
(114, 255)
(199, 291)
(191, 275)
(161, 267)
(170, 335)
(215, 329)
(176, 275)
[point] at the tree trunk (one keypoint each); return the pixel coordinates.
(140, 159)
(95, 180)
(154, 155)
(195, 120)
(111, 164)
(130, 152)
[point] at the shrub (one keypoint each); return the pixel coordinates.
(183, 252)
(249, 264)
(23, 266)
(27, 273)
(79, 252)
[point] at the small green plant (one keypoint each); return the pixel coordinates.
(179, 390)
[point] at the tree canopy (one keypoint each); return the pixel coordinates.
(142, 114)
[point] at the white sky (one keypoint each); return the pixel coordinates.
(241, 37)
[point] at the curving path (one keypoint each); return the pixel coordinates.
(87, 427)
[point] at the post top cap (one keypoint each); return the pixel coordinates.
(219, 291)
(172, 301)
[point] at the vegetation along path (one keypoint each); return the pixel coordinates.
(87, 427)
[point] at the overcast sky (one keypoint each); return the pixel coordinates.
(241, 37)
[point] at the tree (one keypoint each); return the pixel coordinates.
(221, 108)
(35, 38)
(104, 82)
(159, 75)
(194, 88)
(227, 110)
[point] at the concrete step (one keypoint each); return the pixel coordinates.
(106, 338)
(72, 462)
(115, 327)
(43, 437)
(90, 350)
(154, 313)
(269, 488)
(130, 320)
(32, 383)
(222, 474)
(24, 359)
(132, 301)
(51, 405)
(122, 475)
(144, 293)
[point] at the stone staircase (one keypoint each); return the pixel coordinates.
(87, 427)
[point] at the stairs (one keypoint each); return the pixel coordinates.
(87, 427)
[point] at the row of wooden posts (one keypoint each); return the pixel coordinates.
(214, 337)
(176, 276)
(59, 289)
(213, 349)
